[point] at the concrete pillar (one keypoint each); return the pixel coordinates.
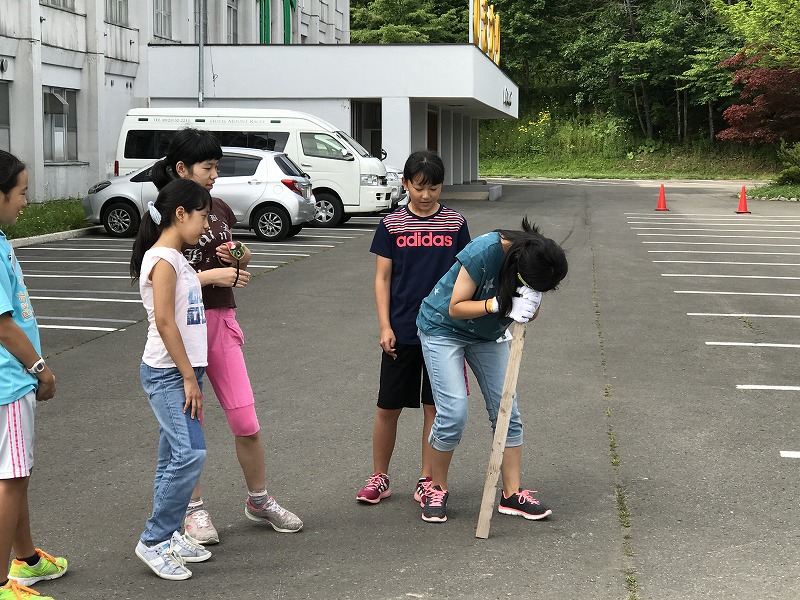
(27, 114)
(419, 126)
(446, 143)
(467, 141)
(458, 149)
(474, 152)
(396, 130)
(92, 92)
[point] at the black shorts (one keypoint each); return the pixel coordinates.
(402, 378)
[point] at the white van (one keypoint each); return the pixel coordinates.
(346, 179)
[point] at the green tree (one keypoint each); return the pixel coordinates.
(407, 22)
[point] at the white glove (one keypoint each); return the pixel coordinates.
(522, 309)
(530, 294)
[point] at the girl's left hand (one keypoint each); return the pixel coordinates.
(194, 397)
(224, 254)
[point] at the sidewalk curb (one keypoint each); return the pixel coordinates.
(54, 237)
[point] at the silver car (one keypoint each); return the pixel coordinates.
(266, 191)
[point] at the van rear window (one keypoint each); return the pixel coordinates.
(152, 144)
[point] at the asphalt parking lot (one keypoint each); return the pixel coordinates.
(659, 392)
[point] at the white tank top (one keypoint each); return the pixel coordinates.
(189, 312)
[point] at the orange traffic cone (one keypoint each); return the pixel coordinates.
(742, 210)
(662, 200)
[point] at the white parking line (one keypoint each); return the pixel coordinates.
(781, 223)
(748, 315)
(702, 215)
(737, 293)
(727, 262)
(727, 244)
(777, 388)
(753, 344)
(728, 276)
(733, 237)
(92, 319)
(77, 299)
(314, 236)
(790, 454)
(61, 276)
(26, 261)
(722, 230)
(77, 328)
(722, 252)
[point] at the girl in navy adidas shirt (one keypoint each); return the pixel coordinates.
(414, 246)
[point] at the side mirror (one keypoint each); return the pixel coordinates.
(383, 154)
(347, 155)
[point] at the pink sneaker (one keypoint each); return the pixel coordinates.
(421, 491)
(376, 489)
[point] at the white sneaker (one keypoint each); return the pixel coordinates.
(273, 513)
(164, 560)
(199, 529)
(188, 550)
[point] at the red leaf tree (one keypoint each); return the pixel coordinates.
(770, 108)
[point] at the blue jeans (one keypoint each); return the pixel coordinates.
(181, 451)
(444, 358)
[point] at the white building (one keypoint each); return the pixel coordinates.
(71, 69)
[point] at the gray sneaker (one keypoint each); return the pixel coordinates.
(164, 560)
(273, 513)
(188, 550)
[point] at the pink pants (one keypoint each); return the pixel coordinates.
(227, 371)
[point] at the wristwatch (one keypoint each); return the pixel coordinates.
(36, 367)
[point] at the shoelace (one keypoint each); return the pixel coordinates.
(273, 506)
(435, 497)
(19, 589)
(376, 482)
(190, 544)
(44, 554)
(525, 496)
(173, 556)
(202, 517)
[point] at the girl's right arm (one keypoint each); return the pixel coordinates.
(462, 306)
(164, 281)
(383, 297)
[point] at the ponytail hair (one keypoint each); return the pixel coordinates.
(181, 193)
(188, 146)
(539, 261)
(10, 168)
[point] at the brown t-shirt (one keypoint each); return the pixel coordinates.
(203, 255)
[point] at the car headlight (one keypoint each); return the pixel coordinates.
(369, 180)
(98, 187)
(392, 176)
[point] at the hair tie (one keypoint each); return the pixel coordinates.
(154, 214)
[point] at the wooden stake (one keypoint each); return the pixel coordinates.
(501, 430)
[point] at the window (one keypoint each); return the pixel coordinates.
(117, 12)
(322, 145)
(153, 143)
(65, 4)
(197, 23)
(5, 119)
(233, 21)
(162, 18)
(238, 166)
(60, 124)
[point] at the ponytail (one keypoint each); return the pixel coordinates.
(538, 260)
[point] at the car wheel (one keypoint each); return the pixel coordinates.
(271, 223)
(294, 230)
(121, 220)
(345, 218)
(329, 211)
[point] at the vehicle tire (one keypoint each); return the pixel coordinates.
(329, 211)
(121, 220)
(271, 223)
(345, 218)
(294, 230)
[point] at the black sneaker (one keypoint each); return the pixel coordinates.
(523, 504)
(434, 509)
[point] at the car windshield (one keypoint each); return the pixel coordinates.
(358, 147)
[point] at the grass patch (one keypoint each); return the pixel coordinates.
(773, 190)
(48, 217)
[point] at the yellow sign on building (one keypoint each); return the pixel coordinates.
(486, 29)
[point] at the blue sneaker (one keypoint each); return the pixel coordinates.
(189, 551)
(164, 560)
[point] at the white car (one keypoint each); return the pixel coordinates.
(266, 191)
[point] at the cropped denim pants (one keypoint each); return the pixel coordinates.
(181, 451)
(444, 358)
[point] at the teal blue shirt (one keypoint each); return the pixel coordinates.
(15, 381)
(482, 259)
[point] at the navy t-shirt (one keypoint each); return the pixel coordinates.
(421, 249)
